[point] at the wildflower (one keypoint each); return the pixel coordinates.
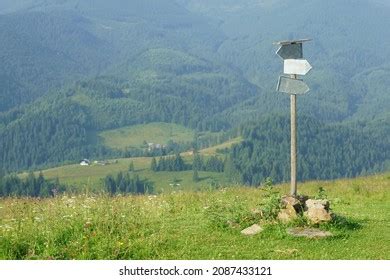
(8, 228)
(88, 224)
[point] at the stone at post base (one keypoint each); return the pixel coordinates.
(318, 203)
(318, 211)
(252, 230)
(288, 214)
(292, 207)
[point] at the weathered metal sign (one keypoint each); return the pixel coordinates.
(290, 51)
(296, 66)
(292, 86)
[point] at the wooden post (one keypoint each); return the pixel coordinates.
(293, 145)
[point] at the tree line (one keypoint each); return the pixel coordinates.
(40, 187)
(31, 186)
(127, 183)
(176, 163)
(170, 163)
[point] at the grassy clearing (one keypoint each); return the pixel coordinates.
(228, 144)
(135, 136)
(193, 225)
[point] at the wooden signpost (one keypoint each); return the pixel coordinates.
(292, 54)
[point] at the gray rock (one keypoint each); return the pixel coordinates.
(298, 203)
(318, 215)
(252, 230)
(292, 207)
(308, 232)
(318, 211)
(318, 204)
(287, 215)
(290, 200)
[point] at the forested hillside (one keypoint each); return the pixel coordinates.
(70, 70)
(50, 43)
(44, 50)
(324, 150)
(64, 126)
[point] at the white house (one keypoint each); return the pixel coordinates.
(85, 162)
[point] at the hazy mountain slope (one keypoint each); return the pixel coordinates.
(185, 61)
(49, 43)
(41, 50)
(349, 37)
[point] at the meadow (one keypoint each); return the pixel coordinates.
(137, 135)
(90, 178)
(194, 225)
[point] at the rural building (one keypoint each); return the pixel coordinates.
(85, 162)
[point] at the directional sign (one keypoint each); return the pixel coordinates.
(289, 42)
(290, 51)
(292, 86)
(296, 66)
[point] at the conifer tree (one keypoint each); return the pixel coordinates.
(153, 165)
(195, 176)
(131, 166)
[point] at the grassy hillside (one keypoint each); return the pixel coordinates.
(193, 225)
(91, 177)
(135, 136)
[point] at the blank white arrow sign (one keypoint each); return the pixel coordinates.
(296, 66)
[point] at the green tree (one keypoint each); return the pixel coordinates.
(110, 184)
(131, 166)
(195, 176)
(153, 165)
(198, 162)
(179, 164)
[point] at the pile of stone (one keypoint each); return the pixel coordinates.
(316, 210)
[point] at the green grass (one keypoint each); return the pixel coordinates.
(193, 225)
(135, 136)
